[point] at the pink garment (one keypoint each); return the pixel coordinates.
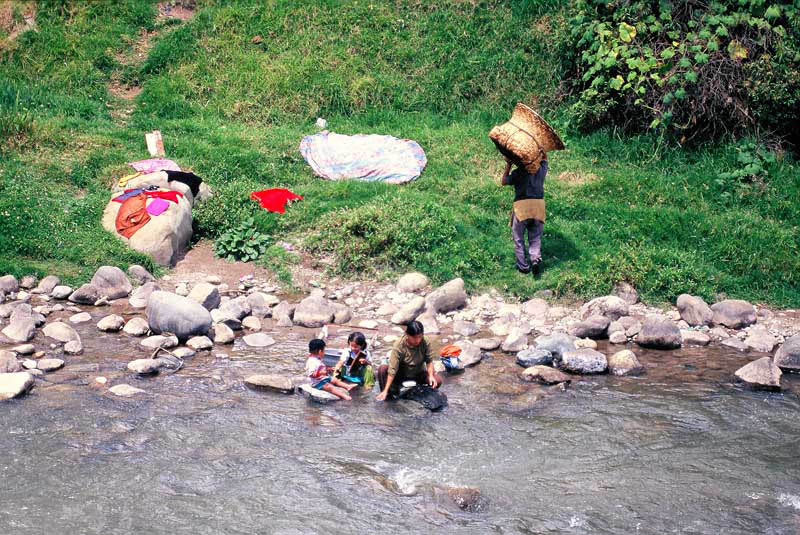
(154, 164)
(157, 206)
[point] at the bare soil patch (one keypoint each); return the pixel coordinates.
(577, 178)
(16, 17)
(177, 9)
(200, 261)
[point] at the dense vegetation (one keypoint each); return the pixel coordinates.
(235, 88)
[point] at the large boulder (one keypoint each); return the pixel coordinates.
(659, 334)
(238, 308)
(557, 344)
(534, 357)
(261, 304)
(760, 339)
(314, 311)
(181, 316)
(8, 284)
(465, 328)
(87, 294)
(20, 329)
(447, 297)
(624, 363)
(734, 313)
(470, 354)
(409, 312)
(14, 384)
(761, 374)
(788, 355)
(46, 285)
(694, 310)
(584, 361)
(412, 282)
(594, 327)
(141, 295)
(627, 293)
(609, 306)
(544, 375)
(207, 295)
(516, 341)
(60, 331)
(112, 282)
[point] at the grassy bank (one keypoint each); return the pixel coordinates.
(234, 111)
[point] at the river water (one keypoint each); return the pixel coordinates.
(680, 449)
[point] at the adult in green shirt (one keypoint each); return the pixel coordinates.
(410, 360)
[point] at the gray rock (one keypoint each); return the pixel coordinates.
(223, 334)
(125, 391)
(278, 383)
(734, 313)
(544, 375)
(412, 282)
(153, 342)
(237, 308)
(7, 309)
(175, 314)
(136, 327)
(465, 328)
(183, 352)
(60, 331)
(141, 295)
(409, 312)
(470, 354)
(207, 295)
(73, 347)
(449, 296)
(515, 341)
(259, 340)
(47, 285)
(627, 293)
(719, 333)
(284, 321)
(80, 317)
(609, 306)
(24, 349)
(488, 344)
(9, 362)
(14, 384)
(584, 361)
(535, 308)
(314, 394)
(694, 338)
(557, 344)
(50, 365)
(694, 310)
(659, 335)
(261, 304)
(200, 342)
(759, 339)
(251, 323)
(28, 364)
(618, 337)
(341, 313)
(624, 363)
(20, 330)
(112, 282)
(140, 274)
(283, 308)
(428, 321)
(632, 326)
(787, 357)
(594, 327)
(111, 323)
(8, 284)
(145, 366)
(734, 343)
(182, 289)
(534, 357)
(314, 311)
(88, 294)
(387, 309)
(503, 325)
(761, 374)
(61, 292)
(28, 282)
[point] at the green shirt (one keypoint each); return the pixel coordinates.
(409, 361)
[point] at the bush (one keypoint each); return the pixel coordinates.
(243, 243)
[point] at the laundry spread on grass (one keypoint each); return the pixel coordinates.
(157, 207)
(132, 215)
(154, 164)
(369, 157)
(275, 200)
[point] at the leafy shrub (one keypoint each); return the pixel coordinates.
(243, 243)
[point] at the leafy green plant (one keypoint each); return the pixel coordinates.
(751, 161)
(242, 242)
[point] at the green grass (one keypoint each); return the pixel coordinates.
(234, 112)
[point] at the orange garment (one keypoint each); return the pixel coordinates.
(450, 351)
(132, 215)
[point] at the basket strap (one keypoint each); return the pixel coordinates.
(519, 129)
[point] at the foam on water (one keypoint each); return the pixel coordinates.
(790, 499)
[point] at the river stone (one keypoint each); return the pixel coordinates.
(14, 384)
(734, 313)
(449, 296)
(534, 357)
(412, 282)
(9, 362)
(46, 285)
(81, 317)
(24, 349)
(49, 365)
(156, 341)
(251, 323)
(144, 366)
(237, 308)
(761, 374)
(618, 337)
(136, 327)
(627, 293)
(60, 331)
(87, 294)
(759, 339)
(141, 295)
(787, 357)
(585, 342)
(21, 330)
(556, 343)
(7, 309)
(61, 292)
(488, 344)
(24, 311)
(591, 327)
(200, 342)
(28, 364)
(609, 306)
(387, 309)
(206, 294)
(140, 274)
(112, 282)
(624, 363)
(284, 308)
(314, 394)
(694, 338)
(694, 310)
(503, 326)
(259, 340)
(657, 334)
(223, 334)
(261, 304)
(314, 311)
(278, 383)
(341, 313)
(28, 282)
(409, 312)
(182, 289)
(73, 347)
(465, 328)
(167, 312)
(428, 321)
(544, 375)
(111, 323)
(584, 361)
(535, 308)
(470, 354)
(734, 343)
(515, 341)
(183, 352)
(8, 284)
(124, 390)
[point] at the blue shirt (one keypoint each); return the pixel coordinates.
(526, 185)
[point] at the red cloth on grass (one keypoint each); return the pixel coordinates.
(274, 200)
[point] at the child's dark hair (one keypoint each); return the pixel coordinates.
(414, 328)
(316, 345)
(358, 338)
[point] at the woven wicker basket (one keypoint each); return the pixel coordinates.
(525, 138)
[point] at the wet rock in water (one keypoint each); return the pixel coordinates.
(167, 312)
(412, 282)
(631, 325)
(734, 313)
(223, 334)
(60, 331)
(50, 365)
(694, 338)
(28, 364)
(140, 274)
(278, 383)
(609, 306)
(24, 349)
(206, 294)
(470, 354)
(428, 322)
(61, 292)
(284, 308)
(87, 294)
(468, 499)
(220, 317)
(544, 375)
(136, 327)
(200, 342)
(734, 343)
(368, 324)
(73, 347)
(14, 384)
(694, 310)
(8, 284)
(719, 333)
(787, 357)
(759, 339)
(261, 304)
(761, 374)
(584, 361)
(534, 357)
(618, 337)
(557, 344)
(585, 342)
(237, 308)
(624, 362)
(535, 308)
(28, 282)
(7, 309)
(314, 394)
(313, 311)
(449, 296)
(80, 317)
(251, 323)
(409, 312)
(592, 327)
(9, 362)
(182, 289)
(183, 352)
(46, 285)
(20, 330)
(112, 282)
(145, 366)
(515, 341)
(259, 340)
(657, 334)
(141, 295)
(111, 323)
(627, 293)
(341, 313)
(156, 341)
(465, 328)
(124, 390)
(488, 344)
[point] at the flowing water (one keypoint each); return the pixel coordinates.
(680, 449)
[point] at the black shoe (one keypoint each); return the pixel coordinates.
(521, 270)
(536, 267)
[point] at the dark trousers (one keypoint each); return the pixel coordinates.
(421, 378)
(534, 229)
